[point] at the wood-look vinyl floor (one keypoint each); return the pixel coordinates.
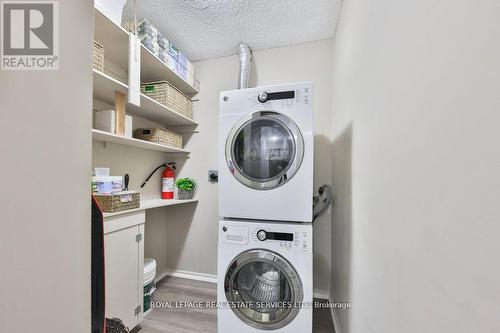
(175, 320)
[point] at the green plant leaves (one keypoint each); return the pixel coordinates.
(187, 184)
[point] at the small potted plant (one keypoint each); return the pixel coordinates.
(186, 188)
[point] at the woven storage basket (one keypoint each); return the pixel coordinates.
(159, 135)
(118, 201)
(166, 94)
(98, 59)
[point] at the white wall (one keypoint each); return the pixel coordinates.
(416, 162)
(45, 148)
(192, 239)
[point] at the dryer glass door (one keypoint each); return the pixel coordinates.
(263, 289)
(264, 150)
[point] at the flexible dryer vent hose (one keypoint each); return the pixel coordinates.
(327, 201)
(245, 58)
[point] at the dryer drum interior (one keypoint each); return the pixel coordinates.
(264, 150)
(266, 288)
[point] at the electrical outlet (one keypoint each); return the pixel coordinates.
(213, 176)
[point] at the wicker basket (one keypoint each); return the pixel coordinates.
(159, 135)
(166, 94)
(98, 59)
(118, 201)
(184, 194)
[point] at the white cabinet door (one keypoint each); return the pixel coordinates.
(123, 255)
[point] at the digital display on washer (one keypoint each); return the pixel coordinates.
(282, 95)
(279, 236)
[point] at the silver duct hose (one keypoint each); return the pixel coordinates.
(326, 201)
(245, 57)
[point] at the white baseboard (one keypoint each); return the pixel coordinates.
(187, 275)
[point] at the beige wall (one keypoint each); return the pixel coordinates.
(45, 149)
(192, 243)
(416, 162)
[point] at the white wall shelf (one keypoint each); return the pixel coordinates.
(103, 136)
(152, 110)
(104, 90)
(153, 69)
(150, 204)
(115, 41)
(105, 87)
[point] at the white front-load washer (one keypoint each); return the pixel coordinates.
(266, 152)
(265, 274)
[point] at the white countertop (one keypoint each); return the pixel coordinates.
(152, 203)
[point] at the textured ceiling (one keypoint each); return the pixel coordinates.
(204, 29)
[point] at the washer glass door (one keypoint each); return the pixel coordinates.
(264, 150)
(263, 289)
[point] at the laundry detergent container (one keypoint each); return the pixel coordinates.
(149, 281)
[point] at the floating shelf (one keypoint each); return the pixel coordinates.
(115, 41)
(105, 87)
(103, 136)
(153, 203)
(153, 69)
(152, 110)
(104, 90)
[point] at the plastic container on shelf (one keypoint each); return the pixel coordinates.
(182, 59)
(149, 281)
(181, 71)
(144, 27)
(162, 41)
(173, 51)
(165, 50)
(163, 56)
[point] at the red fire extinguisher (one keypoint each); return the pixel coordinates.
(167, 181)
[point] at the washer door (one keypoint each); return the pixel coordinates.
(263, 289)
(264, 150)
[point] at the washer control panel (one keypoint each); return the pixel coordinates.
(277, 237)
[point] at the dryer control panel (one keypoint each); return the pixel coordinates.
(289, 97)
(301, 95)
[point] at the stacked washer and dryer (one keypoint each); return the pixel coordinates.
(265, 254)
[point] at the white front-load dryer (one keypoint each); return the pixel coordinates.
(265, 274)
(266, 153)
